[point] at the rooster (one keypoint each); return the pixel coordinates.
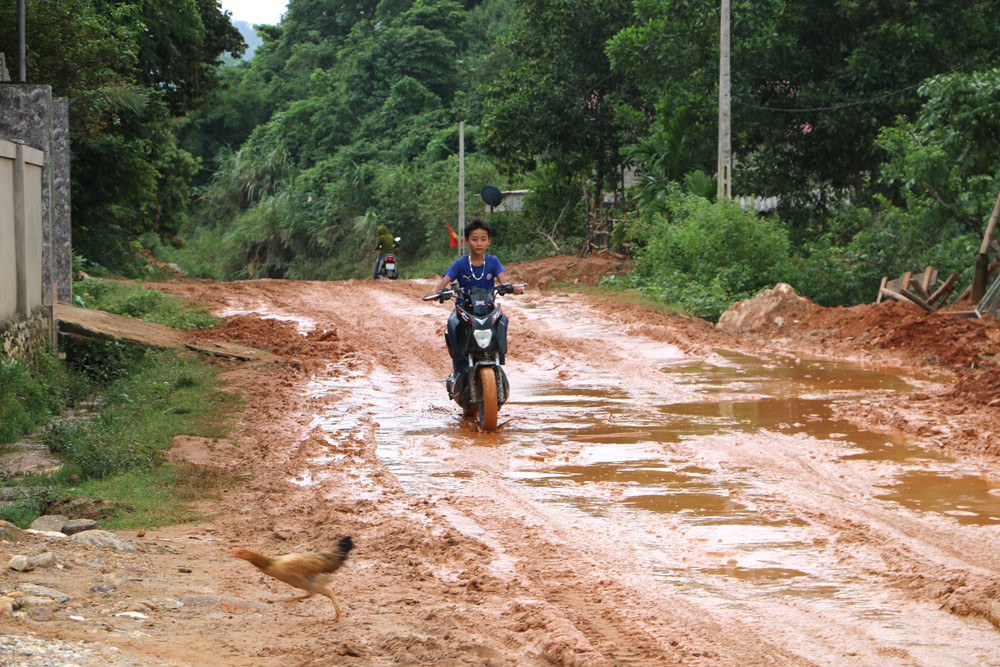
(308, 571)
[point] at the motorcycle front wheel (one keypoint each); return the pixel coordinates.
(488, 406)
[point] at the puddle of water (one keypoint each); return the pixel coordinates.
(755, 574)
(784, 376)
(969, 498)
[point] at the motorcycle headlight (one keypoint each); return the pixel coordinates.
(483, 337)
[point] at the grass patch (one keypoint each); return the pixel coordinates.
(163, 496)
(616, 291)
(133, 299)
(145, 397)
(163, 394)
(30, 394)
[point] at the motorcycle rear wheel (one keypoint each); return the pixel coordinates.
(488, 406)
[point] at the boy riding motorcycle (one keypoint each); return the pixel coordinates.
(477, 269)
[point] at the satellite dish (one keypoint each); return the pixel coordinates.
(492, 196)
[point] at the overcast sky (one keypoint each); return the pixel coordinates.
(256, 11)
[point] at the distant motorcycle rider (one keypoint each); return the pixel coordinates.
(477, 269)
(385, 245)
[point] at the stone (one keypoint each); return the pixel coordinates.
(30, 601)
(41, 614)
(19, 563)
(51, 534)
(74, 526)
(87, 507)
(44, 591)
(9, 532)
(102, 539)
(47, 559)
(49, 523)
(8, 606)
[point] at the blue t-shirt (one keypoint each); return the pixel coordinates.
(475, 276)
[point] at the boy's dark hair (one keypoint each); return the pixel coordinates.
(477, 223)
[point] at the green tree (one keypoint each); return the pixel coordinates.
(558, 105)
(813, 83)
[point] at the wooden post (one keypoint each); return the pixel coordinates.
(881, 287)
(943, 291)
(918, 287)
(981, 273)
(929, 276)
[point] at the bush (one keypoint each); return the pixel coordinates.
(30, 394)
(150, 399)
(707, 255)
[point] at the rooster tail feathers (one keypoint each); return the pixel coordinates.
(345, 545)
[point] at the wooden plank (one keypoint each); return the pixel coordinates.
(880, 288)
(917, 300)
(905, 285)
(909, 296)
(930, 277)
(917, 287)
(942, 292)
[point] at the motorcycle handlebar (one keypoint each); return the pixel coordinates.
(442, 295)
(504, 288)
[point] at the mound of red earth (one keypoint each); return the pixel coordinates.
(967, 346)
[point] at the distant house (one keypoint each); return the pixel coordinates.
(513, 200)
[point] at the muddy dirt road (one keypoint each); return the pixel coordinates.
(659, 493)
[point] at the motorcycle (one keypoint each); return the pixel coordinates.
(387, 264)
(478, 339)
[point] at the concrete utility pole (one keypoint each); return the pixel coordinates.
(21, 50)
(461, 188)
(725, 132)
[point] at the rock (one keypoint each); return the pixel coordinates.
(141, 606)
(74, 526)
(8, 606)
(30, 601)
(49, 523)
(9, 532)
(41, 614)
(47, 559)
(769, 310)
(44, 591)
(101, 588)
(20, 563)
(102, 539)
(53, 534)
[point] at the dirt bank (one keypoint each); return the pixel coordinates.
(466, 552)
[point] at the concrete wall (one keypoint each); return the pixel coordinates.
(21, 175)
(35, 229)
(8, 256)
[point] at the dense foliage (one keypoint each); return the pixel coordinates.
(129, 69)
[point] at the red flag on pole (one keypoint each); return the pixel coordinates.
(452, 236)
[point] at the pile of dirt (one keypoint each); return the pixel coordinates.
(768, 311)
(569, 270)
(937, 339)
(278, 336)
